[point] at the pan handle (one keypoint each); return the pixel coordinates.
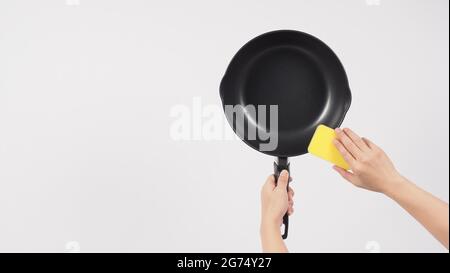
(282, 163)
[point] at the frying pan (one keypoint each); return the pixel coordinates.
(297, 74)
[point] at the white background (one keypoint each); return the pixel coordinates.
(86, 89)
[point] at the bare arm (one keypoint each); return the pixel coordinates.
(430, 211)
(271, 240)
(372, 169)
(275, 202)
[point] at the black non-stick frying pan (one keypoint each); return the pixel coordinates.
(294, 71)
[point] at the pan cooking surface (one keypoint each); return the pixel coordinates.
(295, 71)
(291, 79)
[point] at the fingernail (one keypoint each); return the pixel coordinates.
(284, 173)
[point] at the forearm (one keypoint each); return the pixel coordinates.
(430, 211)
(271, 238)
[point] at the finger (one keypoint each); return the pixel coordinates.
(345, 174)
(348, 143)
(369, 143)
(283, 180)
(357, 140)
(290, 201)
(343, 151)
(290, 211)
(291, 191)
(291, 208)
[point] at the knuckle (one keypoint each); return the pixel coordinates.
(345, 140)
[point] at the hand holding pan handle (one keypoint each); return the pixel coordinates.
(281, 164)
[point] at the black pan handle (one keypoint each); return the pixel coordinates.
(281, 164)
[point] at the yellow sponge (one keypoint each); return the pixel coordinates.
(322, 146)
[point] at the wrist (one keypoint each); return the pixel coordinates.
(394, 186)
(271, 238)
(270, 225)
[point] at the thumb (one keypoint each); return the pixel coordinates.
(345, 174)
(283, 180)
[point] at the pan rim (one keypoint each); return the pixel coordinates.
(344, 87)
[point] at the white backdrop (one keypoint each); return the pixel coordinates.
(87, 161)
